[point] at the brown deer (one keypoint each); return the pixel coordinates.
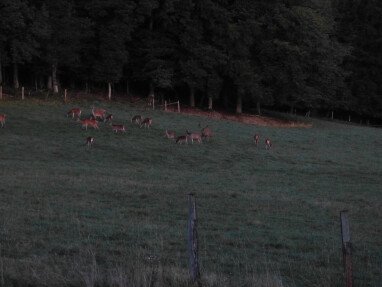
(74, 112)
(256, 138)
(98, 113)
(268, 144)
(206, 133)
(194, 137)
(89, 141)
(170, 134)
(137, 119)
(2, 119)
(147, 122)
(89, 122)
(182, 140)
(118, 128)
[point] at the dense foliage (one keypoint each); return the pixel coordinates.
(286, 54)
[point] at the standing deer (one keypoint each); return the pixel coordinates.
(147, 122)
(89, 122)
(182, 139)
(98, 113)
(137, 119)
(89, 141)
(170, 134)
(118, 128)
(109, 118)
(2, 119)
(194, 137)
(206, 133)
(268, 144)
(74, 112)
(256, 138)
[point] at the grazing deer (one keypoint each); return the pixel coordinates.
(74, 112)
(118, 128)
(206, 133)
(109, 118)
(194, 137)
(136, 119)
(2, 119)
(268, 144)
(89, 122)
(170, 134)
(256, 138)
(98, 113)
(182, 139)
(89, 141)
(147, 122)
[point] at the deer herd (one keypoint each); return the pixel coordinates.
(100, 115)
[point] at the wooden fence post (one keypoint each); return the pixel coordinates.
(193, 240)
(165, 105)
(65, 95)
(346, 248)
(22, 93)
(332, 115)
(178, 107)
(153, 103)
(1, 92)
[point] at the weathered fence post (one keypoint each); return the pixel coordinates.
(346, 248)
(193, 240)
(153, 103)
(332, 115)
(178, 107)
(22, 93)
(165, 105)
(65, 95)
(1, 92)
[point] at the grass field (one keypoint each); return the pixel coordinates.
(116, 214)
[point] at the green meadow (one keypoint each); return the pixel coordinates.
(116, 214)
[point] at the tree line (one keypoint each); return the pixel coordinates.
(236, 54)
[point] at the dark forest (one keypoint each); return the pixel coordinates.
(286, 55)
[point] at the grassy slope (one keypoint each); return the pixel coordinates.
(125, 200)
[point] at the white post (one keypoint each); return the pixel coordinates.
(153, 103)
(22, 93)
(65, 96)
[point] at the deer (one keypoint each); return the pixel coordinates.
(2, 119)
(98, 113)
(194, 137)
(118, 128)
(74, 112)
(137, 119)
(182, 139)
(109, 118)
(147, 122)
(170, 134)
(89, 141)
(206, 133)
(89, 122)
(256, 138)
(268, 144)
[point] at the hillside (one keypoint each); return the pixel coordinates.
(117, 213)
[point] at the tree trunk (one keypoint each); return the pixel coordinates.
(192, 97)
(258, 108)
(16, 83)
(109, 94)
(239, 105)
(127, 89)
(54, 79)
(210, 102)
(49, 83)
(1, 72)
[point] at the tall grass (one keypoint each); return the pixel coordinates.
(116, 214)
